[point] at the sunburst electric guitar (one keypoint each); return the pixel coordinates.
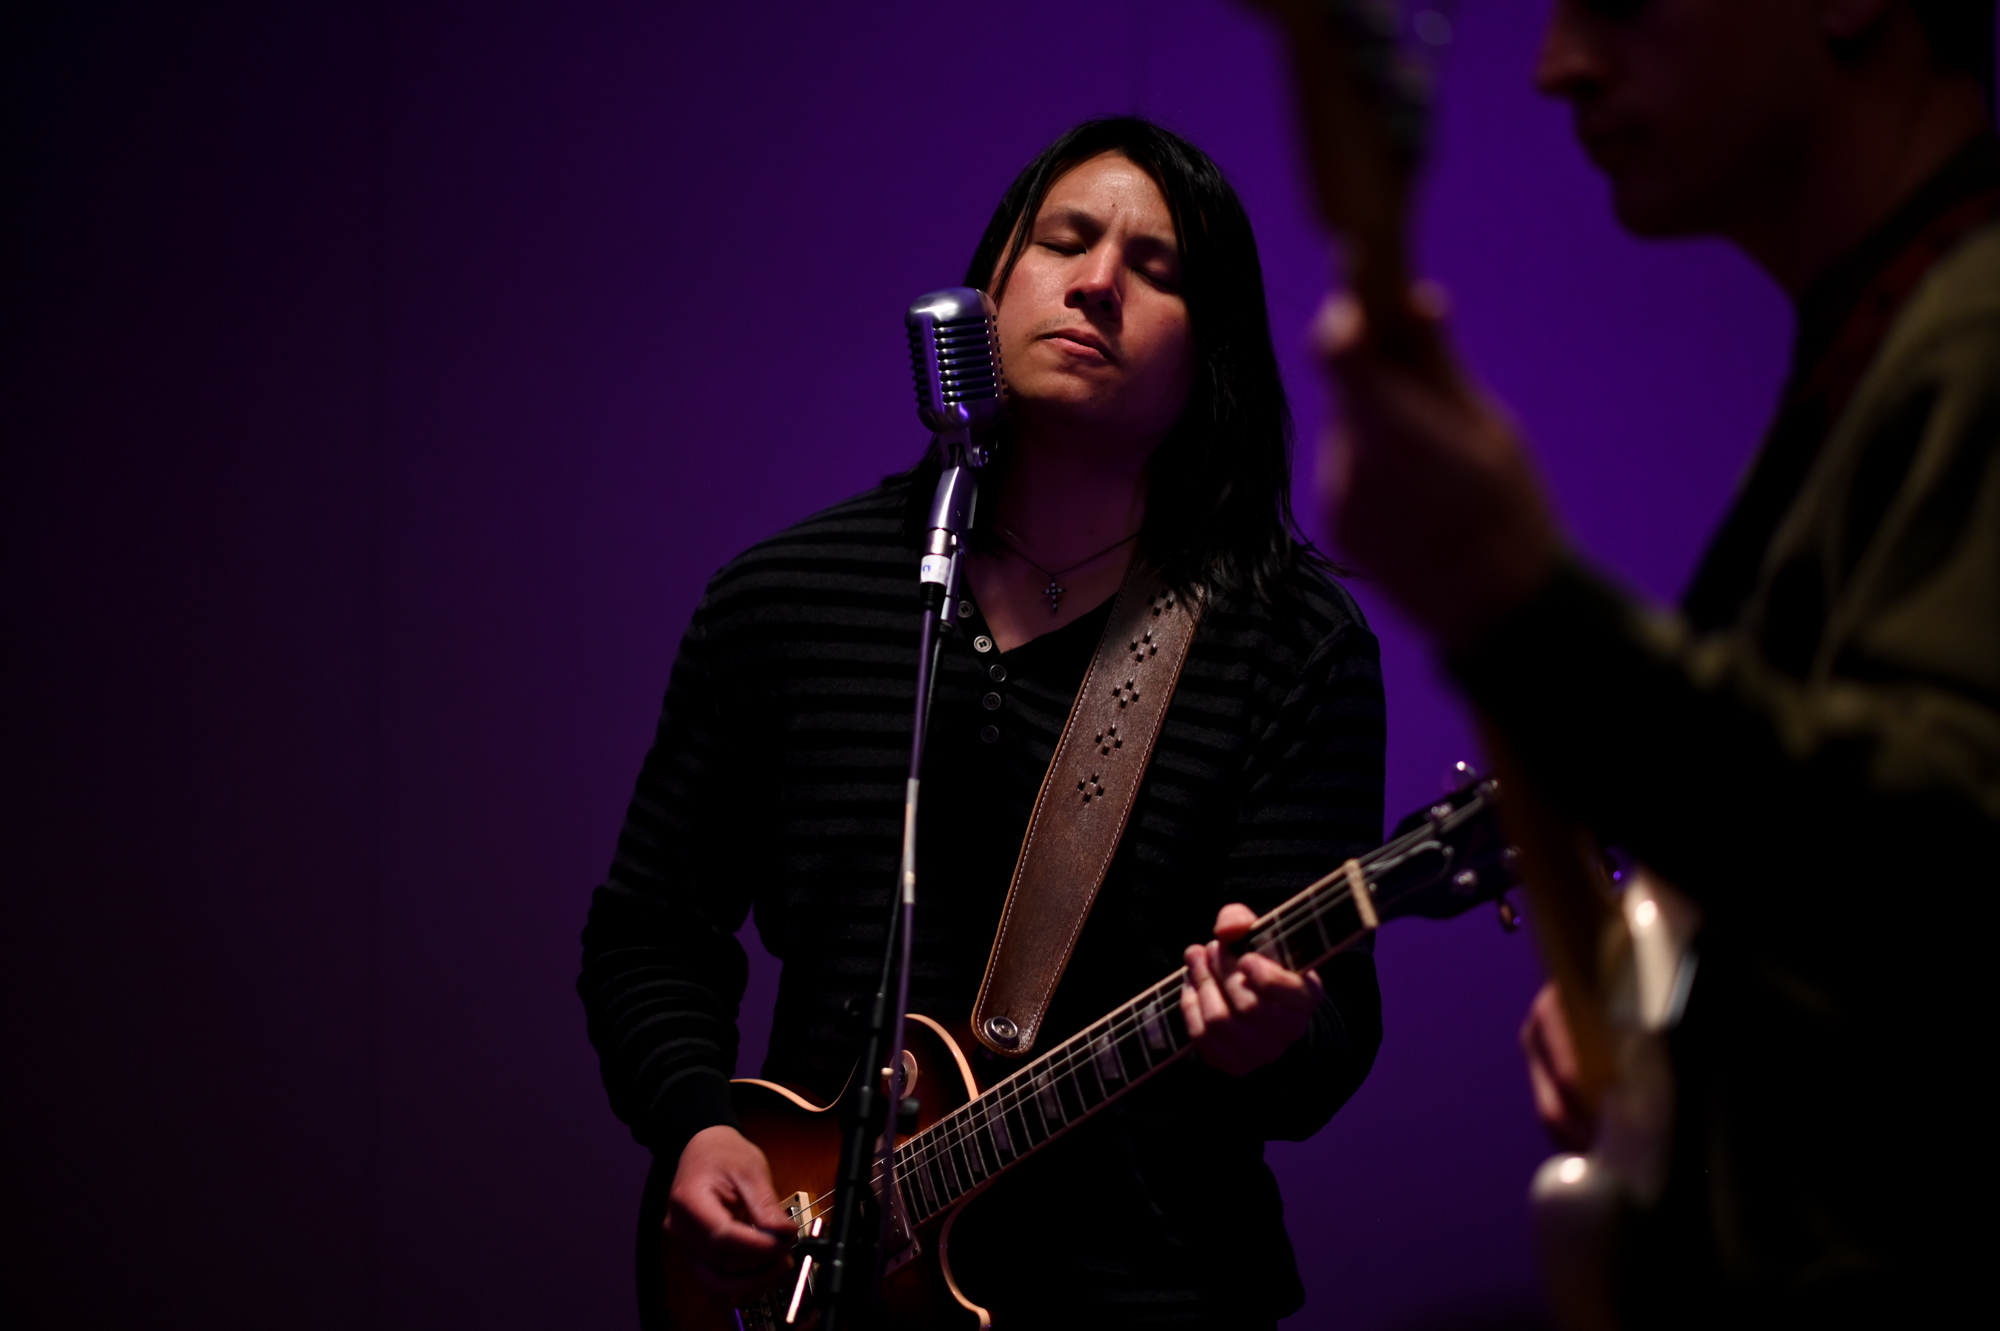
(1444, 859)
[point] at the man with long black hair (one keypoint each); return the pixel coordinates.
(1146, 420)
(1810, 748)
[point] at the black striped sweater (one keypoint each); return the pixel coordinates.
(775, 783)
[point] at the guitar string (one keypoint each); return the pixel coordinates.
(1040, 1080)
(1090, 1048)
(1028, 1085)
(957, 1130)
(1011, 1096)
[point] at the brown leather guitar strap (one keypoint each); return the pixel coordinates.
(1085, 802)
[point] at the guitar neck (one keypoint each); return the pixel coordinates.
(1105, 1061)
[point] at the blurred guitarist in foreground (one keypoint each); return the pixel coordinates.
(1810, 748)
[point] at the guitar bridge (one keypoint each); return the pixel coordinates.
(788, 1303)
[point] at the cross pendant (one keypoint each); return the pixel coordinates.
(1054, 593)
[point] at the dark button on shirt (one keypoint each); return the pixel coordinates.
(979, 792)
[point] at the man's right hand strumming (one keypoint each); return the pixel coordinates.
(723, 1214)
(1552, 1073)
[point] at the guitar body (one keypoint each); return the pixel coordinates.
(802, 1142)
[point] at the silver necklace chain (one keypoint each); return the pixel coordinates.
(1054, 591)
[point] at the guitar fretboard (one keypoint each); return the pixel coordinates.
(1105, 1060)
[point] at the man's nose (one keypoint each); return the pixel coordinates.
(1569, 62)
(1097, 285)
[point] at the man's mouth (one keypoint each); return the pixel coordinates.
(1606, 143)
(1081, 343)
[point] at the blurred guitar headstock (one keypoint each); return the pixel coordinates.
(1366, 93)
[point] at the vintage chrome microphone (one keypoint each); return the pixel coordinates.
(955, 355)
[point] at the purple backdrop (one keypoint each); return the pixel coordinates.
(387, 387)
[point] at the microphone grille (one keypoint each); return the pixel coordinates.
(955, 360)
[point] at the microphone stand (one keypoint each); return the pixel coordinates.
(872, 1114)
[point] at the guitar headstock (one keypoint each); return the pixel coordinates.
(1366, 94)
(1445, 858)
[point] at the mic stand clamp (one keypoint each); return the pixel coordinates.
(848, 1260)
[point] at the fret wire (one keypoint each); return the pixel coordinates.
(1037, 1130)
(942, 1178)
(977, 1154)
(1085, 1060)
(939, 1163)
(1107, 1048)
(1019, 1109)
(928, 1157)
(975, 1158)
(975, 1145)
(1003, 1137)
(983, 1142)
(962, 1157)
(1315, 956)
(1316, 909)
(924, 1164)
(1063, 1061)
(1319, 923)
(957, 1170)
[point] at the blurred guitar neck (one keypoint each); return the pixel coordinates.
(1365, 115)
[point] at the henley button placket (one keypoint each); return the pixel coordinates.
(982, 644)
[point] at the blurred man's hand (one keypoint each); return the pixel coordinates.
(1424, 480)
(1552, 1073)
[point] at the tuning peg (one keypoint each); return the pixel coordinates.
(1510, 919)
(1460, 775)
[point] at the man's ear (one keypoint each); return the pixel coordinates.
(1847, 20)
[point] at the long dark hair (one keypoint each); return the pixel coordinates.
(1219, 502)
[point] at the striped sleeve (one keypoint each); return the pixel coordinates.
(663, 974)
